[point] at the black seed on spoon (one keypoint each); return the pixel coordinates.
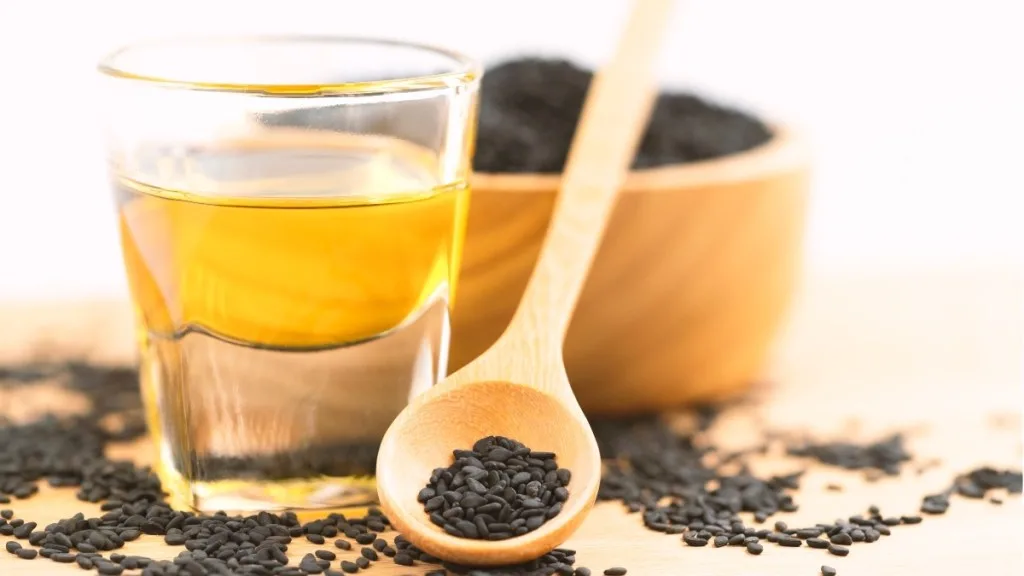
(498, 490)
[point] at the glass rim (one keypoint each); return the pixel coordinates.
(466, 70)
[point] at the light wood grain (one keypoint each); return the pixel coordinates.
(688, 289)
(518, 388)
(935, 353)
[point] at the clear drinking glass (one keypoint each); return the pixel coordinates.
(292, 213)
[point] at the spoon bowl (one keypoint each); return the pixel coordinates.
(417, 445)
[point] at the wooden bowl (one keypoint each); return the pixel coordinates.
(690, 285)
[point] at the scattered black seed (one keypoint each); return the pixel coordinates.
(817, 543)
(693, 540)
(349, 567)
(309, 565)
(828, 571)
(651, 469)
(935, 504)
(403, 559)
(26, 553)
(885, 456)
(363, 562)
(842, 538)
(13, 546)
(326, 555)
(838, 550)
(790, 542)
(615, 572)
(497, 490)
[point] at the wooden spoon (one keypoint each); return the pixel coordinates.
(518, 388)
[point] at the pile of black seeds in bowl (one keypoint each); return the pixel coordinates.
(497, 490)
(529, 108)
(679, 483)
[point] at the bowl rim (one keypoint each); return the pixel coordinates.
(785, 151)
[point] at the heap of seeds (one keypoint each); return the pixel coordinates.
(529, 108)
(497, 490)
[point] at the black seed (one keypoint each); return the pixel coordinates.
(64, 557)
(315, 538)
(369, 554)
(363, 562)
(828, 571)
(838, 550)
(721, 540)
(581, 571)
(790, 542)
(841, 538)
(108, 569)
(755, 548)
(911, 519)
(617, 571)
(403, 559)
(694, 541)
(343, 544)
(23, 531)
(26, 553)
(817, 543)
(13, 546)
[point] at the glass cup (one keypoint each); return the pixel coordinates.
(292, 212)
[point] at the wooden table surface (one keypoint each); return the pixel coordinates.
(938, 355)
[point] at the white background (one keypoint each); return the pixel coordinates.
(915, 109)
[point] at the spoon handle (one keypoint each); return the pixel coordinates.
(614, 116)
